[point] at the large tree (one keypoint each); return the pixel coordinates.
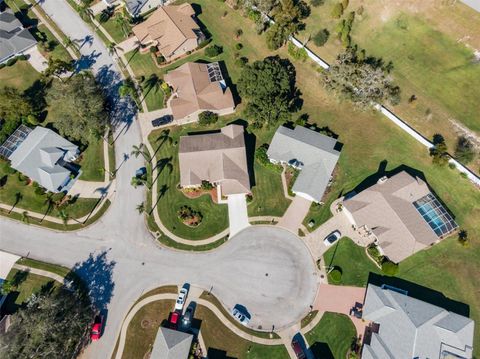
(80, 107)
(14, 106)
(362, 80)
(268, 86)
(53, 324)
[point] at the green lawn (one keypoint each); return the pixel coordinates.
(332, 336)
(218, 338)
(215, 216)
(268, 196)
(113, 28)
(92, 163)
(28, 284)
(21, 76)
(58, 52)
(352, 260)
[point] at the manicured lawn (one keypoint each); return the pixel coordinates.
(58, 52)
(215, 216)
(21, 76)
(352, 260)
(114, 29)
(28, 284)
(143, 328)
(332, 336)
(92, 163)
(61, 271)
(268, 196)
(218, 338)
(34, 202)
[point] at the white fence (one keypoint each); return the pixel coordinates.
(386, 112)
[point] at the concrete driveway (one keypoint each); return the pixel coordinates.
(296, 212)
(237, 213)
(36, 59)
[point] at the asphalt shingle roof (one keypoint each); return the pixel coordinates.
(14, 39)
(171, 344)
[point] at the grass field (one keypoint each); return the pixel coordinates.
(352, 260)
(28, 284)
(431, 47)
(92, 163)
(113, 28)
(332, 336)
(21, 76)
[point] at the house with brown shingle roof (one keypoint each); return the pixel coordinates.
(401, 213)
(198, 87)
(219, 158)
(172, 29)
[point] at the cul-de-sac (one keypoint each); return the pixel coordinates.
(239, 179)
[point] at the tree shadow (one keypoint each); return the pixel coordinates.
(85, 62)
(96, 273)
(421, 293)
(161, 193)
(19, 277)
(228, 81)
(198, 11)
(250, 145)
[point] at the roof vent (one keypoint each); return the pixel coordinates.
(382, 180)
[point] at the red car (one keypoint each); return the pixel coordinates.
(97, 328)
(173, 320)
(297, 348)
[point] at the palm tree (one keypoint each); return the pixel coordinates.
(25, 218)
(141, 208)
(64, 216)
(85, 12)
(68, 42)
(18, 198)
(128, 89)
(137, 150)
(112, 48)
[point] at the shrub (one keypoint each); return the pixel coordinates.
(39, 191)
(439, 154)
(297, 53)
(32, 120)
(213, 50)
(206, 186)
(389, 268)
(2, 66)
(254, 15)
(463, 237)
(207, 118)
(316, 3)
(238, 33)
(160, 59)
(242, 61)
(335, 275)
(464, 150)
(153, 49)
(261, 155)
(238, 46)
(22, 57)
(321, 37)
(337, 11)
(12, 62)
(189, 216)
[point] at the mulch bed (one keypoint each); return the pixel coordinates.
(200, 192)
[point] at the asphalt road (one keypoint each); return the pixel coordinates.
(267, 270)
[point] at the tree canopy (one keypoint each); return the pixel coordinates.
(53, 324)
(80, 107)
(361, 80)
(14, 106)
(268, 86)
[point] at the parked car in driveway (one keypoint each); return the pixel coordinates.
(240, 317)
(173, 319)
(187, 317)
(332, 238)
(97, 328)
(297, 348)
(182, 297)
(164, 120)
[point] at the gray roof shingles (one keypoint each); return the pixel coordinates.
(171, 344)
(14, 39)
(314, 150)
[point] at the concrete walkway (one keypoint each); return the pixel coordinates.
(41, 272)
(296, 212)
(36, 59)
(128, 45)
(199, 301)
(237, 213)
(100, 6)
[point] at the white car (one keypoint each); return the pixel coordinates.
(182, 297)
(332, 238)
(239, 316)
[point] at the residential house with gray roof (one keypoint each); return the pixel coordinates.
(402, 215)
(43, 156)
(313, 153)
(405, 327)
(171, 344)
(139, 7)
(14, 38)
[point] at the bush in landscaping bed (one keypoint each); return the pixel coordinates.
(12, 62)
(213, 50)
(160, 60)
(389, 268)
(189, 216)
(22, 57)
(207, 118)
(335, 276)
(206, 186)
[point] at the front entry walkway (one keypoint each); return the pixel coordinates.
(237, 213)
(296, 212)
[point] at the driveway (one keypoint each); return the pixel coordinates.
(237, 213)
(36, 59)
(340, 299)
(296, 212)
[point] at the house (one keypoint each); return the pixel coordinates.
(43, 156)
(14, 38)
(219, 158)
(7, 261)
(401, 213)
(171, 344)
(405, 327)
(314, 154)
(198, 87)
(172, 29)
(139, 7)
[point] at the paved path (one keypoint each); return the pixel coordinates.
(296, 212)
(237, 213)
(41, 272)
(37, 60)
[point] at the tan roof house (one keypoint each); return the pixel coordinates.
(172, 29)
(219, 158)
(401, 213)
(198, 87)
